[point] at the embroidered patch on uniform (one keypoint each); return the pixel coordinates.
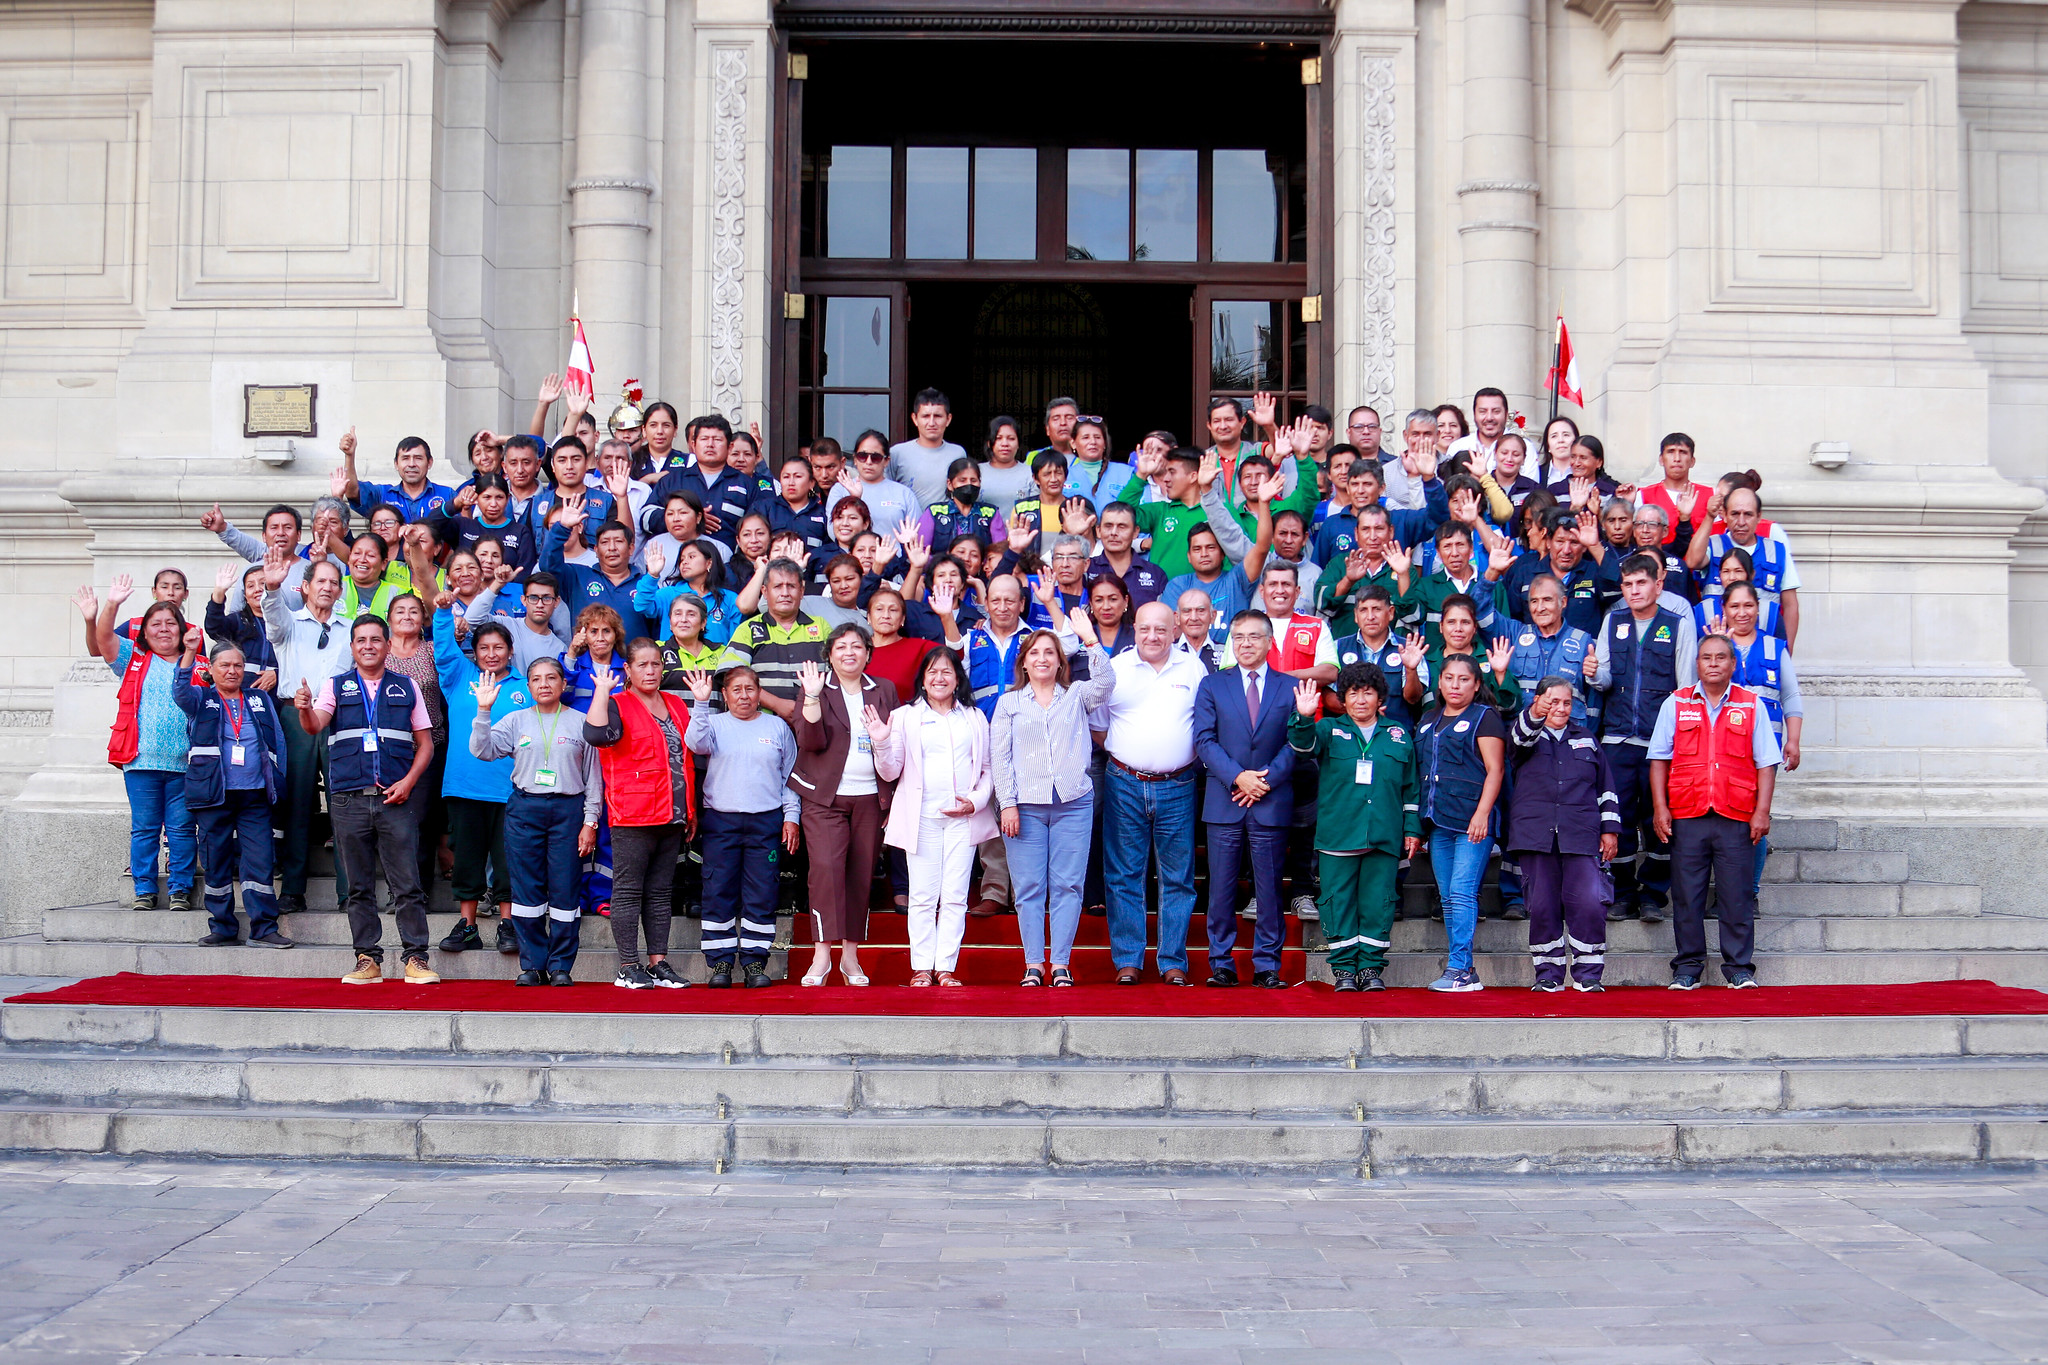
(1340, 734)
(1621, 632)
(1771, 675)
(348, 685)
(1737, 718)
(1583, 744)
(1528, 637)
(1461, 727)
(595, 590)
(1663, 633)
(1395, 733)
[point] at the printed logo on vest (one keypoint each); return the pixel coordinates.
(1621, 631)
(1396, 734)
(1663, 633)
(1528, 637)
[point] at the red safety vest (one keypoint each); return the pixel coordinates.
(125, 742)
(1659, 497)
(1295, 647)
(637, 789)
(1713, 766)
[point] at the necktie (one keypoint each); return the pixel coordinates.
(1251, 697)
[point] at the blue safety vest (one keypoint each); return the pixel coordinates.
(1562, 655)
(1758, 670)
(1769, 621)
(1768, 561)
(949, 523)
(1643, 667)
(351, 768)
(991, 669)
(1352, 650)
(1453, 773)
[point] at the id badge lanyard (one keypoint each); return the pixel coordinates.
(544, 775)
(369, 713)
(237, 752)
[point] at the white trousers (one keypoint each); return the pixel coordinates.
(939, 872)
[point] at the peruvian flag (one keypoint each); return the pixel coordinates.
(1564, 370)
(580, 375)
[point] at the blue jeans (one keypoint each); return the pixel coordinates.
(1460, 866)
(1048, 862)
(156, 807)
(1156, 818)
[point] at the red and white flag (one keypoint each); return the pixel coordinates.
(580, 376)
(1564, 373)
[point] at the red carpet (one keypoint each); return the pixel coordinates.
(1149, 1000)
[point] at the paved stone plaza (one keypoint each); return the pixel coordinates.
(107, 1261)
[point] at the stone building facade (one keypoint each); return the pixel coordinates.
(1788, 227)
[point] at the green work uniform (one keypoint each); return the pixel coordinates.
(1507, 691)
(1423, 604)
(1338, 606)
(1367, 803)
(1168, 523)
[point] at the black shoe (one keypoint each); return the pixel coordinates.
(1268, 981)
(1514, 912)
(1589, 988)
(757, 976)
(1618, 912)
(1369, 980)
(291, 905)
(462, 937)
(530, 977)
(231, 941)
(561, 979)
(1685, 981)
(1548, 987)
(1653, 914)
(508, 942)
(634, 977)
(1223, 976)
(1346, 981)
(1740, 978)
(721, 976)
(270, 941)
(666, 976)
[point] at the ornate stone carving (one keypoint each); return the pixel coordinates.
(1376, 102)
(729, 64)
(1823, 685)
(25, 718)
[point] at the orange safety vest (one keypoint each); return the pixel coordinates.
(1713, 766)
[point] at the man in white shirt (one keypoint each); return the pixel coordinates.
(922, 463)
(1150, 787)
(312, 646)
(1489, 420)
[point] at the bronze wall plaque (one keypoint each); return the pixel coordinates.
(279, 409)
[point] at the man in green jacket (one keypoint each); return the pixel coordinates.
(1367, 818)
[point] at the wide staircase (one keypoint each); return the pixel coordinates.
(1087, 1091)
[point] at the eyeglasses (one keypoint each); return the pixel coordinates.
(870, 456)
(1081, 419)
(540, 597)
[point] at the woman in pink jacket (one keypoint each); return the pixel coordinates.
(936, 751)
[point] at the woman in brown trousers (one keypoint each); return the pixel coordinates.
(843, 796)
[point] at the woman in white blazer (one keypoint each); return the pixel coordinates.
(936, 751)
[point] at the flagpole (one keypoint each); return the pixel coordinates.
(1556, 357)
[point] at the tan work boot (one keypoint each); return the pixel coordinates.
(417, 973)
(367, 973)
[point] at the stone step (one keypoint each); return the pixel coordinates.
(849, 1039)
(1509, 967)
(1029, 1142)
(1787, 934)
(707, 1089)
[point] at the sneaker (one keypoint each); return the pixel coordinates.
(1740, 978)
(1304, 907)
(368, 971)
(270, 941)
(418, 973)
(1369, 980)
(1548, 987)
(721, 975)
(757, 976)
(1457, 981)
(181, 900)
(1251, 909)
(1589, 987)
(462, 937)
(1346, 981)
(633, 977)
(508, 942)
(666, 976)
(219, 941)
(1685, 981)
(143, 902)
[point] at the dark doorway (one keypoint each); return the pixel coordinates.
(1120, 350)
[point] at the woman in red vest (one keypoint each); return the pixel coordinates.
(150, 742)
(650, 788)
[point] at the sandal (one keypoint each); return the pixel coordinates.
(1032, 977)
(817, 974)
(920, 978)
(1062, 977)
(948, 979)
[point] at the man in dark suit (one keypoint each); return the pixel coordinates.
(1248, 802)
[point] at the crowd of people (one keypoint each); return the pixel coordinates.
(642, 670)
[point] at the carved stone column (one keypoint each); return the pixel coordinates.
(1497, 200)
(609, 200)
